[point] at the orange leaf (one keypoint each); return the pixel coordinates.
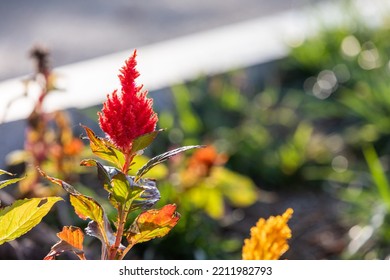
(71, 240)
(153, 223)
(73, 235)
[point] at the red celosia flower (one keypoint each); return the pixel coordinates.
(128, 114)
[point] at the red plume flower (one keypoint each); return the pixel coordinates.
(128, 114)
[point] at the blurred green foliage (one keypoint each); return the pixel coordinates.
(316, 119)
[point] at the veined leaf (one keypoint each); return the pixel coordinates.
(121, 189)
(161, 158)
(148, 197)
(134, 195)
(85, 207)
(104, 149)
(71, 240)
(144, 141)
(22, 216)
(152, 224)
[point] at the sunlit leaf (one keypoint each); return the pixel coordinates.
(209, 199)
(158, 172)
(240, 190)
(161, 158)
(144, 141)
(104, 149)
(71, 240)
(85, 207)
(22, 216)
(123, 189)
(134, 195)
(8, 182)
(152, 224)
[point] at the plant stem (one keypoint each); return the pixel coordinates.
(119, 233)
(128, 159)
(126, 251)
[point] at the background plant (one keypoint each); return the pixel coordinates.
(49, 139)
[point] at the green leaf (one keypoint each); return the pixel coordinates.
(22, 216)
(189, 120)
(152, 224)
(5, 183)
(161, 158)
(209, 199)
(8, 182)
(121, 189)
(240, 190)
(104, 149)
(158, 172)
(144, 141)
(125, 191)
(378, 174)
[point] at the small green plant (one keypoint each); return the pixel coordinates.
(129, 122)
(24, 214)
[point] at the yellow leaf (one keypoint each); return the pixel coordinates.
(87, 208)
(159, 172)
(22, 216)
(206, 197)
(240, 190)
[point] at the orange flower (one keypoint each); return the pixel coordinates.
(268, 239)
(128, 114)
